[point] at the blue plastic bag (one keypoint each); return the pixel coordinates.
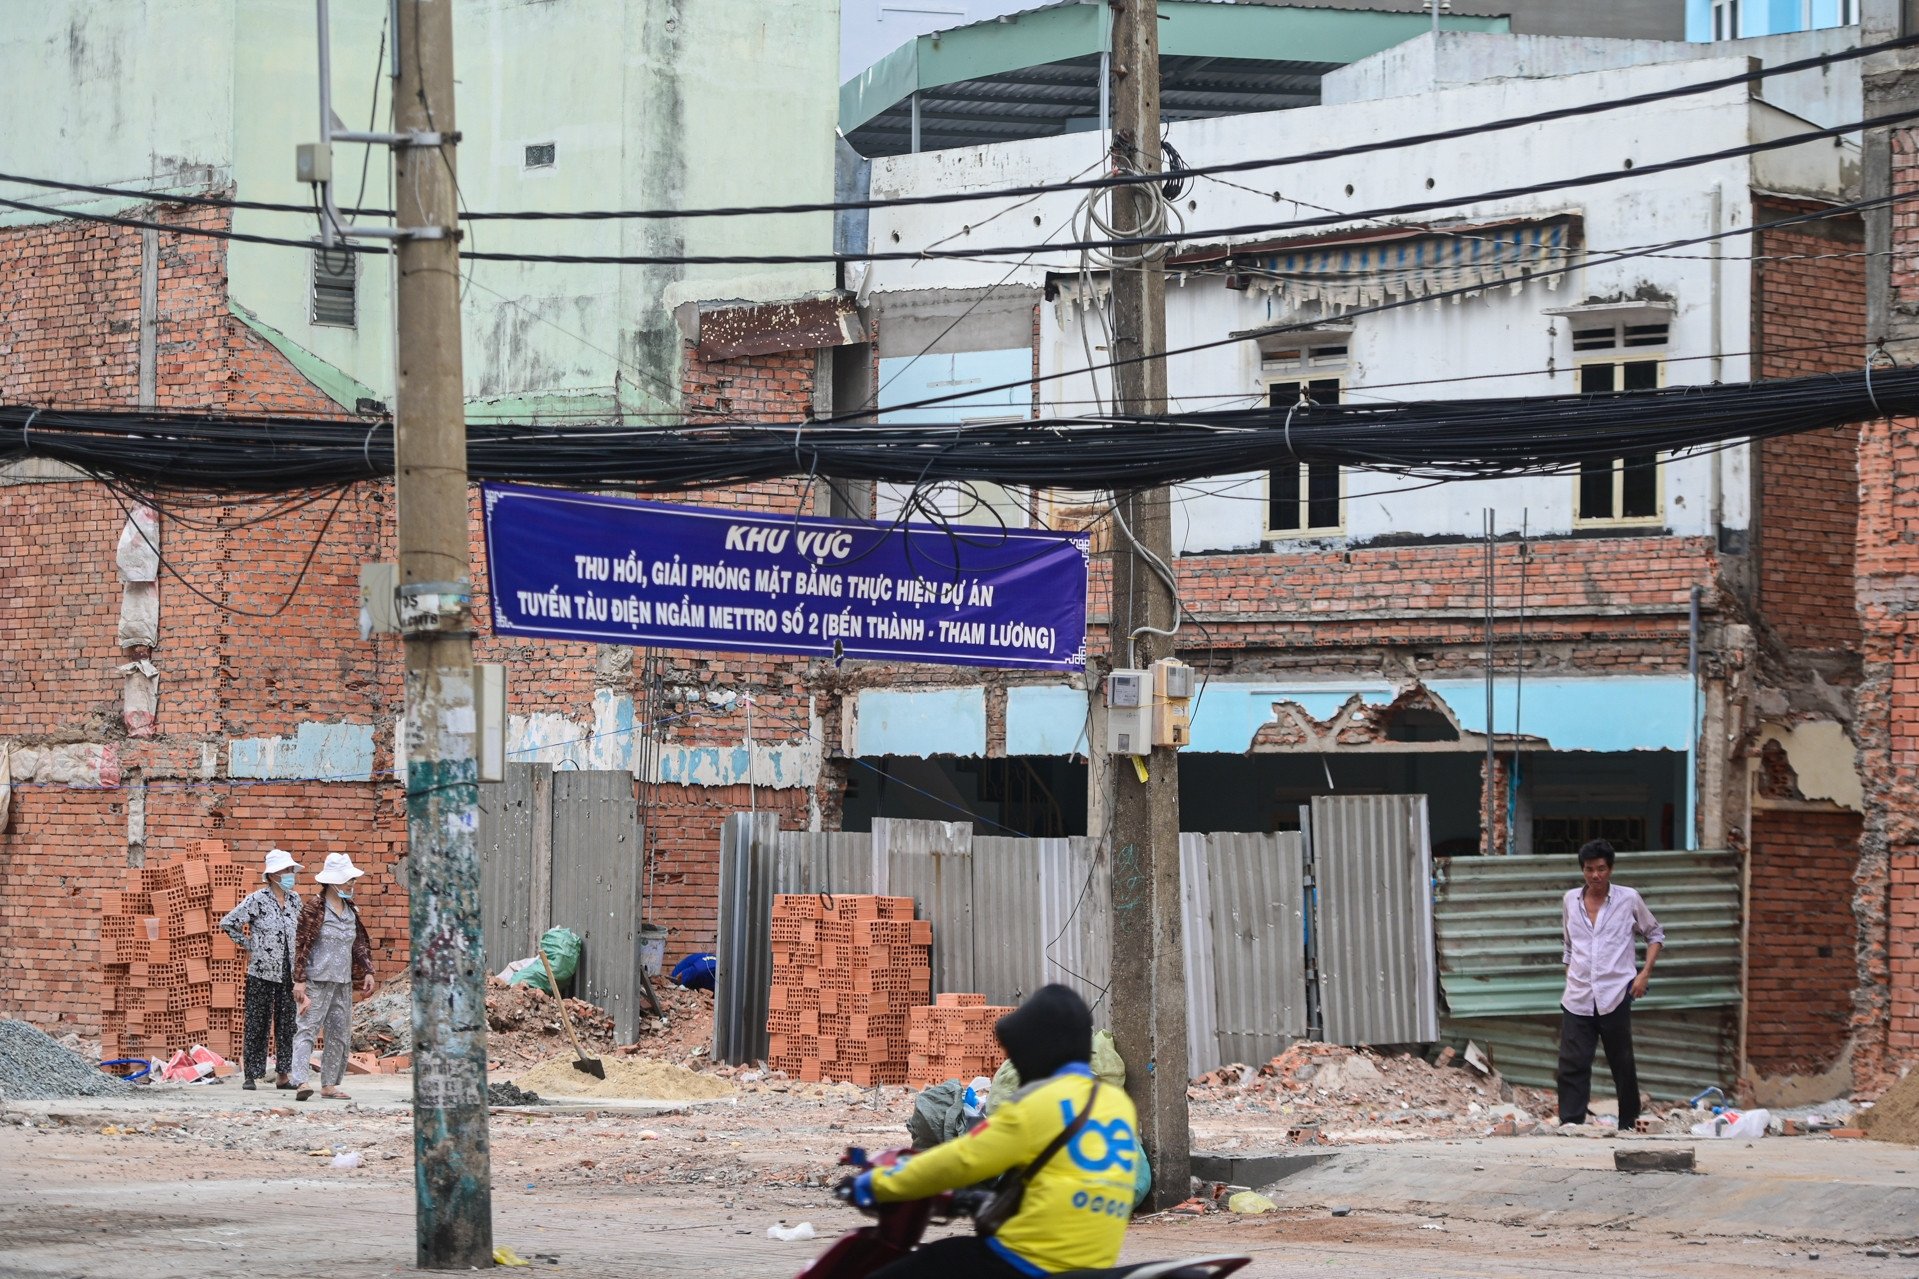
(695, 972)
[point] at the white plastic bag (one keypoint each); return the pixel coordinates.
(791, 1234)
(1735, 1124)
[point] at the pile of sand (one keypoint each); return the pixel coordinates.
(626, 1079)
(1896, 1115)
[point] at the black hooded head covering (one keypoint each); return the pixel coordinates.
(1053, 1028)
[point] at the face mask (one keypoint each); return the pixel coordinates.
(286, 882)
(346, 894)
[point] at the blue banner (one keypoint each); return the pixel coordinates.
(610, 570)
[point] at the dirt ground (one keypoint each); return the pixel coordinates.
(201, 1182)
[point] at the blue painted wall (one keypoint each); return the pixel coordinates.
(906, 379)
(1767, 17)
(938, 721)
(1046, 720)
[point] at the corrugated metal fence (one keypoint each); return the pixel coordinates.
(1499, 944)
(1012, 914)
(562, 848)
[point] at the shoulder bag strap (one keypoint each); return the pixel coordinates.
(1066, 1134)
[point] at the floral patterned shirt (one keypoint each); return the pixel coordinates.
(272, 923)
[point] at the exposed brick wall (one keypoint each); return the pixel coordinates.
(69, 335)
(1434, 593)
(1808, 484)
(1886, 1003)
(1800, 940)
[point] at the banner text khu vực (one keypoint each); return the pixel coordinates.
(609, 570)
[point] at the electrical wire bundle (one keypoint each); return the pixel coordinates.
(209, 458)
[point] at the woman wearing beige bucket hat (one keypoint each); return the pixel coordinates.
(270, 916)
(331, 954)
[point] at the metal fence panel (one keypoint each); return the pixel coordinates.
(1076, 896)
(744, 947)
(1678, 1052)
(1500, 936)
(507, 871)
(1196, 927)
(1258, 889)
(596, 887)
(932, 862)
(1372, 862)
(1008, 945)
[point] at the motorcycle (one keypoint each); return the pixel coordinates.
(898, 1227)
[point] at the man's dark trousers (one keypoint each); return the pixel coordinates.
(1579, 1035)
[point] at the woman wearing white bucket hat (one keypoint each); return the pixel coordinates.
(270, 915)
(331, 953)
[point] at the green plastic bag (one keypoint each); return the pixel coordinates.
(562, 949)
(1106, 1065)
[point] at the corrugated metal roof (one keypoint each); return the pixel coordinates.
(1500, 939)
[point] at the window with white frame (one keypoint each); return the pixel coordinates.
(1619, 355)
(1725, 19)
(1305, 498)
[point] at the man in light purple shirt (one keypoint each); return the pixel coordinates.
(1601, 922)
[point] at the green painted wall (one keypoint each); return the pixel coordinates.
(670, 102)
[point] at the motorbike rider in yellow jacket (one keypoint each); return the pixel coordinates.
(1074, 1213)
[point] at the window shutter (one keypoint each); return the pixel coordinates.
(335, 274)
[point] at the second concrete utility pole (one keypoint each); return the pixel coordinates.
(453, 1181)
(1148, 974)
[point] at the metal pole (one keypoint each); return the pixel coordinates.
(1492, 757)
(452, 1172)
(1149, 980)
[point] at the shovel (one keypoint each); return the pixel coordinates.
(584, 1064)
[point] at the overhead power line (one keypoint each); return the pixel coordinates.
(1374, 147)
(1604, 177)
(173, 456)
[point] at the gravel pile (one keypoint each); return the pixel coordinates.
(507, 1094)
(35, 1068)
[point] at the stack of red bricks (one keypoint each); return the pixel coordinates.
(172, 978)
(952, 1038)
(846, 972)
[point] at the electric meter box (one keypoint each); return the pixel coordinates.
(1126, 688)
(1172, 680)
(1129, 730)
(1171, 726)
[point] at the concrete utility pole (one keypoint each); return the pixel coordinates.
(1148, 976)
(452, 1167)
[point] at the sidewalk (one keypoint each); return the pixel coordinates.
(1788, 1188)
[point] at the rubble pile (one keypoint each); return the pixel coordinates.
(685, 1030)
(170, 977)
(33, 1067)
(952, 1038)
(1896, 1115)
(846, 971)
(1325, 1092)
(523, 1023)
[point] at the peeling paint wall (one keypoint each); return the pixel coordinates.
(920, 722)
(315, 752)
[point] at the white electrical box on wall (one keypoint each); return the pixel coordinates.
(1129, 730)
(1126, 688)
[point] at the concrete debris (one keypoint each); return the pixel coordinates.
(1323, 1094)
(33, 1067)
(510, 1094)
(1653, 1160)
